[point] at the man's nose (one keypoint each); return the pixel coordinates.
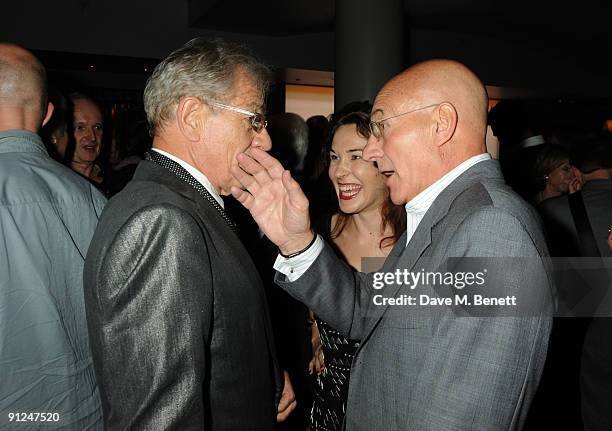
(96, 134)
(373, 149)
(90, 133)
(262, 140)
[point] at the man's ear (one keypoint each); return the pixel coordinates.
(49, 113)
(189, 118)
(446, 123)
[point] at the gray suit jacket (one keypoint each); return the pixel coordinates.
(425, 368)
(177, 314)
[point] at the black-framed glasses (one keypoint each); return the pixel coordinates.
(258, 120)
(377, 127)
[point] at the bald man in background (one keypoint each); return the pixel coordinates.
(47, 218)
(424, 367)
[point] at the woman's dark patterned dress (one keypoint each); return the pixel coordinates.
(331, 386)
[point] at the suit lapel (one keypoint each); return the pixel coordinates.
(401, 256)
(209, 215)
(185, 176)
(237, 248)
(406, 257)
(396, 252)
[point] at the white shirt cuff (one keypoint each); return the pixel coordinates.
(294, 267)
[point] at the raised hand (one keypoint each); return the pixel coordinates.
(274, 199)
(575, 184)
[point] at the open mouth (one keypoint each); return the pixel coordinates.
(348, 191)
(387, 173)
(90, 148)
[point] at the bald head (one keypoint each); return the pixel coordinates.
(427, 120)
(22, 83)
(436, 81)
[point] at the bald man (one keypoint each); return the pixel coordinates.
(423, 364)
(47, 218)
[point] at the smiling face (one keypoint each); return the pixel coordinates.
(358, 184)
(88, 131)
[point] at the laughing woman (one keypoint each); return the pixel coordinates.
(364, 224)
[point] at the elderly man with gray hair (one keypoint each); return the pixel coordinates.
(179, 327)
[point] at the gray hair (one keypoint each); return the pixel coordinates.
(203, 68)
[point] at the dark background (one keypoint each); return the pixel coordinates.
(553, 58)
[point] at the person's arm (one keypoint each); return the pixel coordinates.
(318, 361)
(280, 208)
(274, 199)
(155, 295)
(287, 402)
(335, 292)
(294, 267)
(482, 372)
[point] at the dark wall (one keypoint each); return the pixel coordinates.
(150, 29)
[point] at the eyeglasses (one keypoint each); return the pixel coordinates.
(377, 127)
(258, 121)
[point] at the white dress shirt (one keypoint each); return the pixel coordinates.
(199, 176)
(418, 205)
(294, 267)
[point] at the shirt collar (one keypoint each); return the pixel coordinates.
(421, 202)
(17, 140)
(418, 206)
(195, 173)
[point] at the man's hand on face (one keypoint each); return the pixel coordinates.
(274, 199)
(575, 185)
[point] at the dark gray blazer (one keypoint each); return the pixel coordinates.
(596, 358)
(426, 368)
(177, 316)
(597, 195)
